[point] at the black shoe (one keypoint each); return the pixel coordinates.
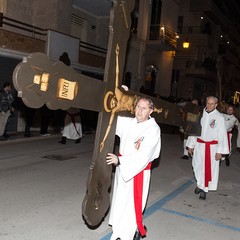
(27, 135)
(137, 235)
(45, 134)
(227, 161)
(203, 195)
(63, 140)
(78, 140)
(6, 136)
(2, 138)
(238, 149)
(185, 157)
(197, 190)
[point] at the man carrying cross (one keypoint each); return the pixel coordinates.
(140, 144)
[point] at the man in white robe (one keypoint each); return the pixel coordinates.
(72, 126)
(207, 149)
(230, 122)
(140, 144)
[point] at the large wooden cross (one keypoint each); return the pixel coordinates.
(40, 81)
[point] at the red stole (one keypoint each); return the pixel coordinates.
(208, 170)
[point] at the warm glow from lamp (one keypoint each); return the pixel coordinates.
(186, 44)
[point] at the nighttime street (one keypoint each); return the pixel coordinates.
(42, 186)
(69, 69)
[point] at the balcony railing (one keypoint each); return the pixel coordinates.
(163, 34)
(204, 29)
(92, 47)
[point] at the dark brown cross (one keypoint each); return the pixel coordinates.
(39, 81)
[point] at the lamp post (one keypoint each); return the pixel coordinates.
(186, 44)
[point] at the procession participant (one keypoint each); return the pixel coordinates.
(140, 144)
(207, 149)
(72, 126)
(185, 151)
(230, 122)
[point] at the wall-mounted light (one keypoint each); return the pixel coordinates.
(186, 44)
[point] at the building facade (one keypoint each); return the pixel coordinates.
(210, 66)
(156, 62)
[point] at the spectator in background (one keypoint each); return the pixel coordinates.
(12, 117)
(6, 107)
(29, 116)
(65, 59)
(46, 115)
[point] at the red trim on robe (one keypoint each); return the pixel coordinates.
(208, 169)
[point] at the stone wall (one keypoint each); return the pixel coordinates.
(21, 43)
(46, 14)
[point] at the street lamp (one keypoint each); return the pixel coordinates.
(186, 44)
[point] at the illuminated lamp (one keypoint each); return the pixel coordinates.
(186, 44)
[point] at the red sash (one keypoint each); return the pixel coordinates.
(228, 138)
(138, 190)
(208, 170)
(72, 116)
(137, 194)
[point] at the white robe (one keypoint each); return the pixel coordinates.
(230, 122)
(238, 136)
(213, 128)
(72, 125)
(133, 160)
